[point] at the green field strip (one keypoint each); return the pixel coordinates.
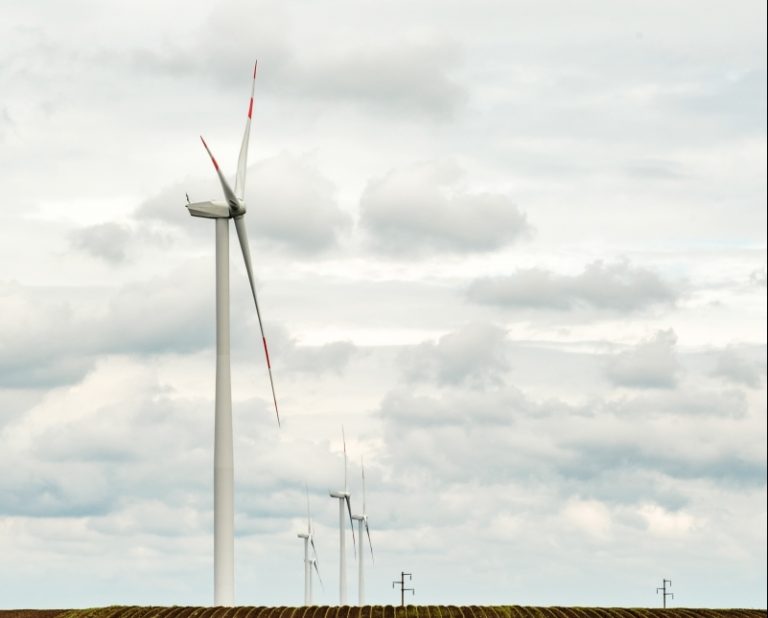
(626, 613)
(451, 611)
(172, 612)
(377, 611)
(511, 611)
(389, 611)
(549, 612)
(559, 612)
(498, 611)
(434, 611)
(478, 611)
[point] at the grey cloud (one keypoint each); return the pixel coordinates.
(474, 355)
(424, 208)
(332, 357)
(735, 366)
(498, 437)
(47, 341)
(403, 79)
(650, 364)
(695, 403)
(290, 205)
(596, 460)
(107, 241)
(461, 410)
(618, 287)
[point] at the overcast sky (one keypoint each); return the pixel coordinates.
(518, 249)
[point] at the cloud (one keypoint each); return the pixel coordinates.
(424, 208)
(107, 241)
(407, 80)
(605, 448)
(291, 205)
(114, 243)
(617, 287)
(734, 366)
(332, 357)
(650, 364)
(50, 339)
(474, 355)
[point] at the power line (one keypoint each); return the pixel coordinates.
(403, 589)
(663, 589)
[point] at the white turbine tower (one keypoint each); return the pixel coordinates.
(309, 563)
(362, 521)
(223, 473)
(343, 497)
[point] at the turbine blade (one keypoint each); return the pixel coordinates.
(317, 570)
(314, 549)
(344, 442)
(368, 532)
(242, 161)
(351, 523)
(362, 467)
(228, 193)
(243, 236)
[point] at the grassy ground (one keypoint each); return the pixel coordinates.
(383, 611)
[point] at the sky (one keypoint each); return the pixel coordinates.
(516, 249)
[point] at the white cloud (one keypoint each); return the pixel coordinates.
(617, 286)
(473, 355)
(423, 208)
(650, 364)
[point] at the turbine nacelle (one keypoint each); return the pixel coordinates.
(339, 494)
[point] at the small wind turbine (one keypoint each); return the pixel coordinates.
(343, 497)
(309, 539)
(223, 466)
(362, 520)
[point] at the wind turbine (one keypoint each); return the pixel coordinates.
(223, 468)
(343, 497)
(309, 539)
(362, 520)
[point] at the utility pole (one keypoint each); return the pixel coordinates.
(663, 589)
(403, 589)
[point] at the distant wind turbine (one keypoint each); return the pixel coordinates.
(362, 521)
(343, 497)
(223, 467)
(309, 563)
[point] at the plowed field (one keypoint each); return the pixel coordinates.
(381, 611)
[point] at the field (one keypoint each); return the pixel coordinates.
(383, 611)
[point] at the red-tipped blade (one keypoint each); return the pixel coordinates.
(242, 161)
(243, 237)
(228, 193)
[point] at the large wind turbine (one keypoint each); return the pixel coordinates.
(362, 521)
(343, 497)
(309, 563)
(223, 468)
